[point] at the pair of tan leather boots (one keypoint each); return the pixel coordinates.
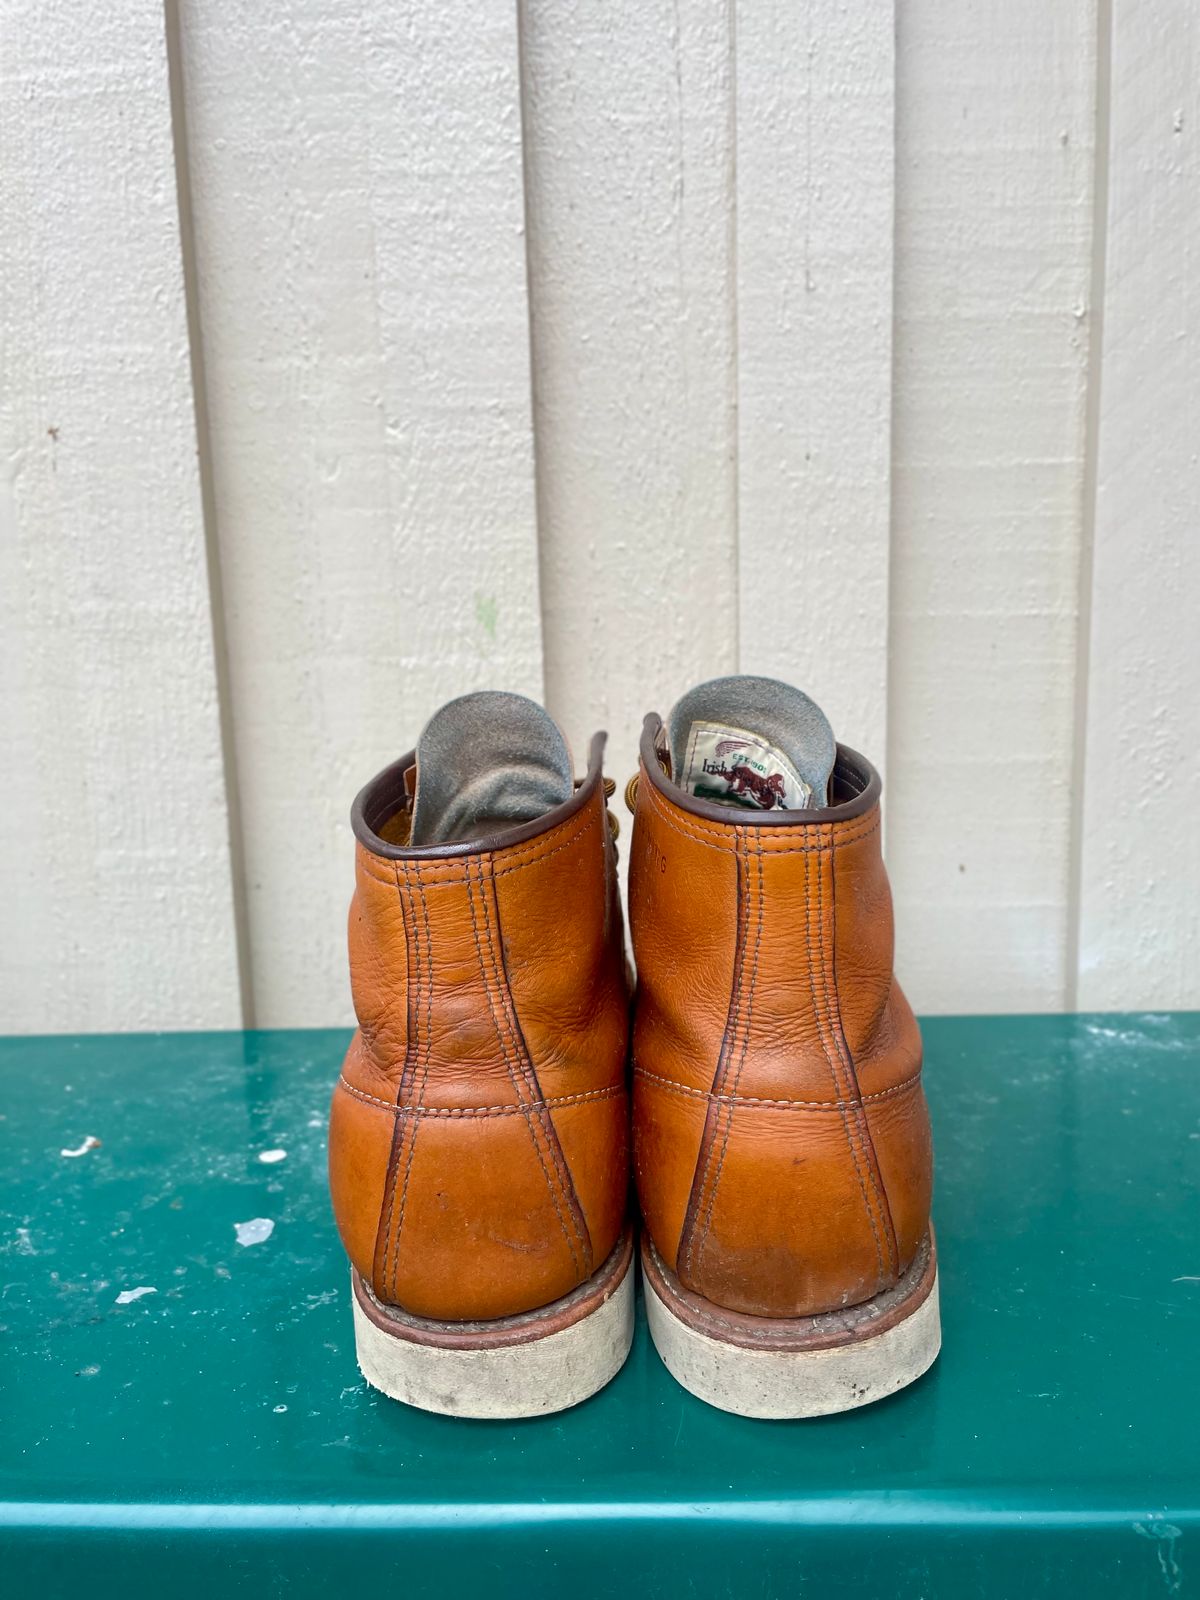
(479, 1146)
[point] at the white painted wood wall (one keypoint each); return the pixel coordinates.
(358, 354)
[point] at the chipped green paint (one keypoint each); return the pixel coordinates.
(214, 1435)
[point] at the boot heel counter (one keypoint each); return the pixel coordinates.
(360, 1142)
(773, 1180)
(900, 1133)
(473, 1222)
(792, 1219)
(459, 1213)
(490, 1144)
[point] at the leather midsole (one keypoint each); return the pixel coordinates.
(519, 1329)
(827, 1330)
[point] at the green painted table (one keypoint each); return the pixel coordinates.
(215, 1436)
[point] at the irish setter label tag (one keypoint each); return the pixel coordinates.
(739, 768)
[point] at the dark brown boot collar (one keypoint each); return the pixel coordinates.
(855, 782)
(389, 795)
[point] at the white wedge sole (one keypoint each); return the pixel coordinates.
(812, 1367)
(524, 1366)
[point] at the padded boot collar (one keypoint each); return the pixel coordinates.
(391, 792)
(855, 782)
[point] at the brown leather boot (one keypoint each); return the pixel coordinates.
(781, 1137)
(478, 1144)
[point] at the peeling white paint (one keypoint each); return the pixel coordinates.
(271, 1156)
(90, 1143)
(254, 1231)
(128, 1295)
(1167, 1536)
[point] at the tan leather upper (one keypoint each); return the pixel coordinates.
(781, 1141)
(478, 1145)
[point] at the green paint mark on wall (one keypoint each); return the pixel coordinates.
(485, 613)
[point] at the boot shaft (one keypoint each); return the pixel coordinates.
(781, 1135)
(478, 1141)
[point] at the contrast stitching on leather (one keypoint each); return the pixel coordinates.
(499, 872)
(566, 1190)
(443, 874)
(834, 1071)
(881, 1215)
(550, 1103)
(427, 1052)
(409, 1048)
(698, 1314)
(834, 1014)
(685, 824)
(756, 847)
(854, 787)
(424, 1049)
(546, 843)
(701, 834)
(840, 1088)
(759, 1100)
(391, 1248)
(504, 1051)
(697, 1193)
(725, 1110)
(694, 1312)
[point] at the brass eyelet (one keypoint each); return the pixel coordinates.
(631, 791)
(610, 787)
(614, 824)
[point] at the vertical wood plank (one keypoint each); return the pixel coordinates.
(995, 136)
(1139, 910)
(357, 188)
(815, 163)
(113, 833)
(628, 126)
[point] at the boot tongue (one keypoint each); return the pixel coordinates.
(751, 742)
(485, 762)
